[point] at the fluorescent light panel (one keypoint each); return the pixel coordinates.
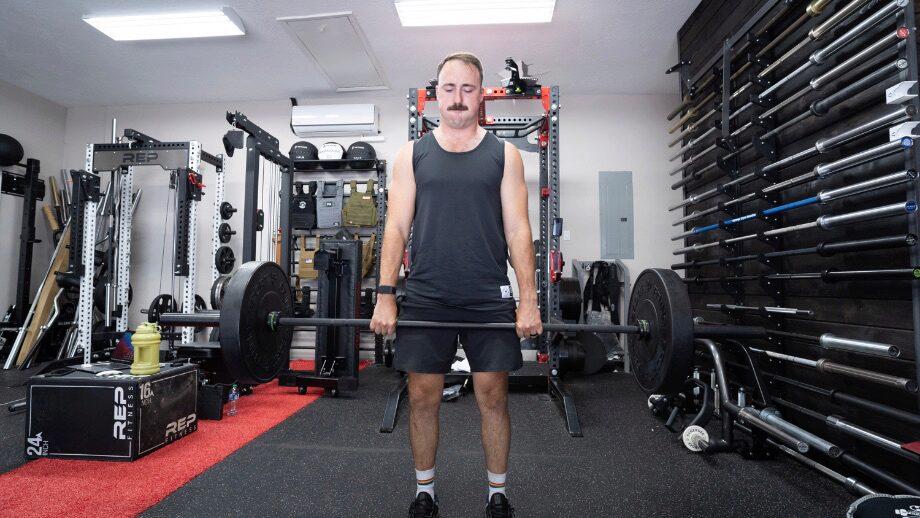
(418, 13)
(164, 26)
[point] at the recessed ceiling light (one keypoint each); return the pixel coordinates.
(164, 26)
(416, 13)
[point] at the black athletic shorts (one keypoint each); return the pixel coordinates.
(433, 350)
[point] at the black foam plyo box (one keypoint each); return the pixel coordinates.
(102, 412)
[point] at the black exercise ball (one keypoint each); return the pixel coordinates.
(302, 152)
(362, 154)
(10, 150)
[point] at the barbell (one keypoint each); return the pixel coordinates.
(255, 326)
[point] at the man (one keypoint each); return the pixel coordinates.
(463, 190)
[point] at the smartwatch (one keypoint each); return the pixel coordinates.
(386, 290)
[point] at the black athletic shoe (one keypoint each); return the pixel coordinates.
(423, 507)
(498, 507)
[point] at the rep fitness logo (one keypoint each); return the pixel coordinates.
(181, 427)
(121, 414)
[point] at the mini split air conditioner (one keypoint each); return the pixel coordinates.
(335, 120)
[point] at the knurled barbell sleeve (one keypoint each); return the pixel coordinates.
(905, 384)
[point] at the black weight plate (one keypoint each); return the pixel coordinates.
(226, 210)
(595, 352)
(570, 298)
(163, 303)
(252, 352)
(218, 288)
(662, 359)
(571, 355)
(224, 232)
(224, 259)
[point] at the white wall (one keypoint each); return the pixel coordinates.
(38, 124)
(617, 133)
(597, 133)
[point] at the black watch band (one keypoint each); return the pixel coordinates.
(386, 290)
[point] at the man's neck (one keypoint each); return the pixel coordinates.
(459, 139)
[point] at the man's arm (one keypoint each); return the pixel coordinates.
(520, 241)
(400, 213)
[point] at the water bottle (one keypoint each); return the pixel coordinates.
(234, 396)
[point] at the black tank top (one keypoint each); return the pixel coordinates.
(458, 253)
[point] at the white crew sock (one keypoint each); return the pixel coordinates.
(424, 481)
(496, 483)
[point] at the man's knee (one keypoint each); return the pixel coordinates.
(425, 391)
(491, 392)
(493, 403)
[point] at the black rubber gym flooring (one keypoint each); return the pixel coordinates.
(329, 460)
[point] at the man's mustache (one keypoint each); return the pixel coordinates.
(457, 107)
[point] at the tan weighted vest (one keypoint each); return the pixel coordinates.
(305, 268)
(361, 208)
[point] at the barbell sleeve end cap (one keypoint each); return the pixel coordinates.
(643, 327)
